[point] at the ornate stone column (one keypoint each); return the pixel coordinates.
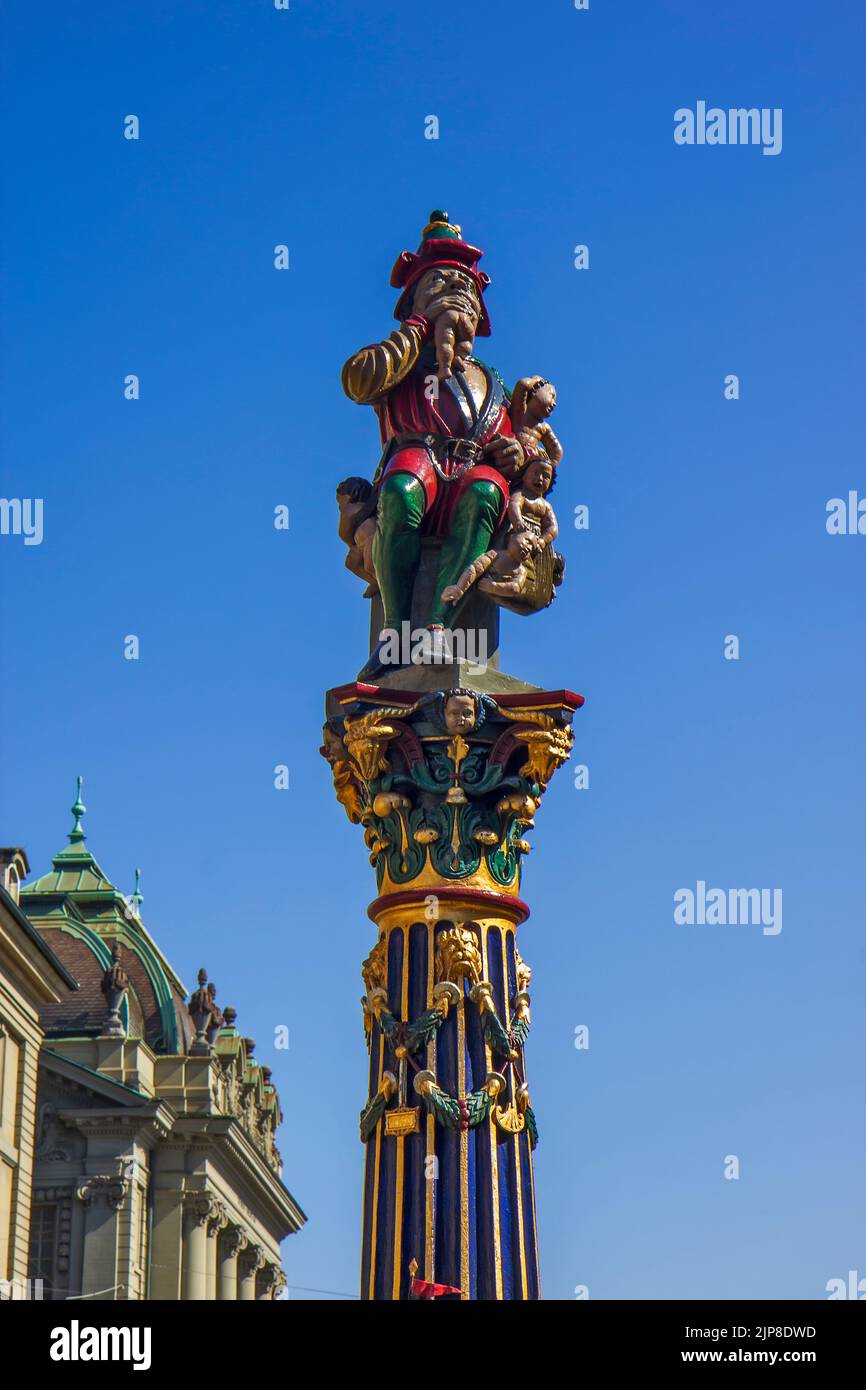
(198, 1210)
(231, 1243)
(249, 1264)
(217, 1221)
(446, 787)
(103, 1196)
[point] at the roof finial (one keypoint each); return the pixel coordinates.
(137, 897)
(76, 834)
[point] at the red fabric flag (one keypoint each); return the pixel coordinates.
(421, 1289)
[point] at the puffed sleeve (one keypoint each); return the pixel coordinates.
(375, 369)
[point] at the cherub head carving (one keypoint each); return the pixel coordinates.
(461, 711)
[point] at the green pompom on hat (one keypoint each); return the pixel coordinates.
(439, 227)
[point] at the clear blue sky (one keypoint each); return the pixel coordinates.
(707, 518)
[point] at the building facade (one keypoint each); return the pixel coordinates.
(155, 1168)
(31, 977)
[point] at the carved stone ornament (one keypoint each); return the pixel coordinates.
(114, 984)
(449, 783)
(374, 971)
(524, 974)
(405, 1119)
(271, 1279)
(347, 784)
(234, 1241)
(251, 1260)
(367, 738)
(458, 955)
(548, 744)
(201, 1207)
(217, 1220)
(106, 1187)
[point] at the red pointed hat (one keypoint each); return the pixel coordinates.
(442, 244)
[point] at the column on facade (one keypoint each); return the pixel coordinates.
(199, 1208)
(103, 1196)
(232, 1242)
(217, 1222)
(249, 1264)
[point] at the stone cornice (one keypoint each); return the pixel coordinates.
(246, 1162)
(148, 1125)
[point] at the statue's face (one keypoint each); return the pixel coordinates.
(519, 545)
(538, 477)
(444, 283)
(460, 714)
(464, 951)
(544, 400)
(458, 955)
(335, 748)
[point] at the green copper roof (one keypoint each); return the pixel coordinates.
(75, 869)
(78, 898)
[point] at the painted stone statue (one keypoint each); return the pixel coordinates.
(444, 772)
(454, 444)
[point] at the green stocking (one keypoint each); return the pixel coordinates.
(397, 544)
(475, 519)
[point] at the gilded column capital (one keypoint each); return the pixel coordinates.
(442, 802)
